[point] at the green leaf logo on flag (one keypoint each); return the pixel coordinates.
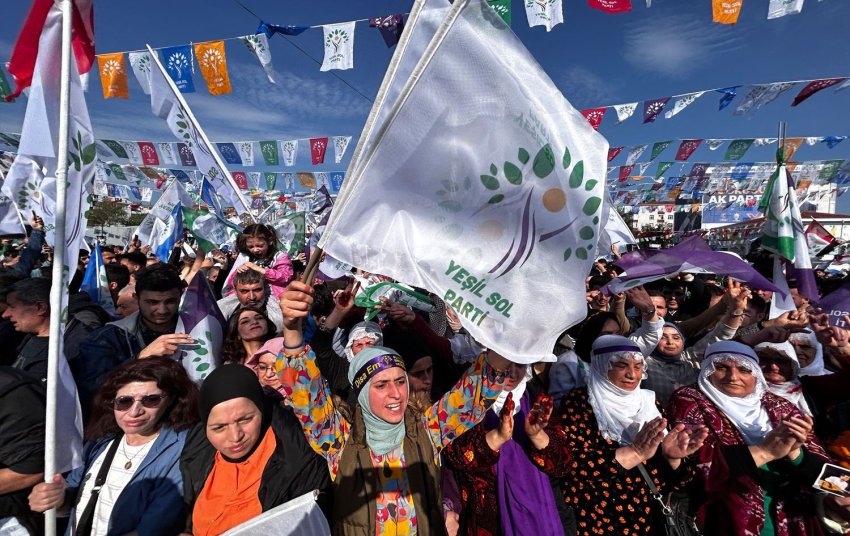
(290, 233)
(269, 150)
(372, 298)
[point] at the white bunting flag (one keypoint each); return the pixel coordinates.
(683, 102)
(624, 111)
(642, 168)
(289, 149)
(340, 145)
(246, 152)
(10, 220)
(780, 8)
(167, 156)
(634, 154)
(339, 46)
(255, 178)
(713, 145)
(259, 45)
(761, 95)
(547, 13)
(141, 64)
(134, 155)
(473, 222)
(174, 194)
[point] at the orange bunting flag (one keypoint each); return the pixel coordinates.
(213, 65)
(726, 11)
(791, 146)
(307, 180)
(113, 75)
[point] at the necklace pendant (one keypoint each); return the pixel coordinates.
(128, 465)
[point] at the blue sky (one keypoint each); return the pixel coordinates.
(595, 58)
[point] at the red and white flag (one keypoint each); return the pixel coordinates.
(819, 239)
(318, 147)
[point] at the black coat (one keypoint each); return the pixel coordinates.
(293, 469)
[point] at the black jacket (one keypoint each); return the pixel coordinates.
(293, 469)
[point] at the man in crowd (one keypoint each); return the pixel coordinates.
(251, 289)
(126, 302)
(149, 332)
(118, 277)
(28, 308)
(133, 261)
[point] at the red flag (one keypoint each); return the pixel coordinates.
(240, 179)
(613, 152)
(594, 116)
(611, 6)
(814, 87)
(22, 62)
(625, 171)
(149, 156)
(819, 240)
(318, 146)
(687, 148)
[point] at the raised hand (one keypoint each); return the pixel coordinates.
(649, 438)
(682, 441)
(538, 419)
(165, 345)
(295, 304)
(501, 435)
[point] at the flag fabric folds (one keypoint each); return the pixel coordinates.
(140, 62)
(546, 13)
(634, 154)
(818, 239)
(729, 94)
(726, 11)
(780, 8)
(166, 232)
(339, 46)
(318, 147)
(259, 45)
(201, 319)
(174, 195)
(95, 283)
(762, 94)
(470, 222)
(178, 62)
(113, 75)
(213, 63)
(290, 232)
(813, 87)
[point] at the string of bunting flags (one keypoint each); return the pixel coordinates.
(238, 153)
(755, 96)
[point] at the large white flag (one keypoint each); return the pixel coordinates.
(165, 103)
(548, 13)
(175, 194)
(31, 183)
(339, 46)
(780, 8)
(483, 185)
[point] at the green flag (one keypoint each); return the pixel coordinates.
(737, 148)
(208, 229)
(370, 298)
(829, 170)
(290, 232)
(117, 171)
(662, 167)
(503, 8)
(4, 86)
(658, 148)
(271, 180)
(116, 148)
(270, 154)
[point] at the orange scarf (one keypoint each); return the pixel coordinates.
(230, 495)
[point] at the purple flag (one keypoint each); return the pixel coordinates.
(652, 108)
(324, 196)
(837, 304)
(187, 157)
(200, 318)
(390, 27)
(690, 255)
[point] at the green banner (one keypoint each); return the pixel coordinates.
(658, 148)
(738, 148)
(270, 154)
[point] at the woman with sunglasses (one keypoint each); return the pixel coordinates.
(247, 329)
(138, 427)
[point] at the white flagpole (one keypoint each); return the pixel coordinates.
(201, 132)
(58, 285)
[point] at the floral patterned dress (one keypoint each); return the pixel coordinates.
(605, 497)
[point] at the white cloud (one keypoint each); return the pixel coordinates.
(584, 88)
(676, 45)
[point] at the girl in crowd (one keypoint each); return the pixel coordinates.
(247, 329)
(130, 481)
(758, 463)
(258, 243)
(616, 437)
(247, 455)
(514, 453)
(384, 460)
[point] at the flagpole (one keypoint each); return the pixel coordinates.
(201, 132)
(58, 283)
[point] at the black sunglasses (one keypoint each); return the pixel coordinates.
(123, 403)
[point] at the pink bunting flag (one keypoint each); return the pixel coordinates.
(613, 152)
(814, 87)
(318, 146)
(611, 6)
(687, 148)
(594, 116)
(240, 178)
(149, 156)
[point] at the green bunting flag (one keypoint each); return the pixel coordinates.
(658, 148)
(271, 180)
(370, 298)
(270, 154)
(290, 232)
(209, 230)
(662, 167)
(738, 148)
(503, 8)
(4, 86)
(829, 170)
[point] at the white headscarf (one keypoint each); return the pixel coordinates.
(518, 391)
(362, 330)
(746, 413)
(791, 389)
(620, 414)
(817, 367)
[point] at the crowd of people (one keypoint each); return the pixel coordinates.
(680, 407)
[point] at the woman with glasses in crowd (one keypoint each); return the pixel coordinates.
(138, 427)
